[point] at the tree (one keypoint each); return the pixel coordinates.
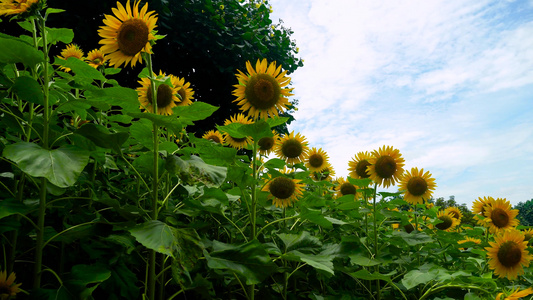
(525, 214)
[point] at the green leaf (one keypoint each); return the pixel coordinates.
(196, 170)
(64, 35)
(416, 277)
(120, 96)
(157, 236)
(101, 136)
(14, 51)
(321, 262)
(189, 251)
(196, 111)
(361, 260)
(315, 216)
(274, 163)
(364, 274)
(60, 166)
(414, 238)
(142, 132)
(250, 261)
(11, 206)
(83, 275)
(83, 70)
(277, 121)
(122, 282)
(360, 182)
(28, 89)
(303, 241)
(169, 122)
(256, 130)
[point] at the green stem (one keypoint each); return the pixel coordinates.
(376, 248)
(251, 293)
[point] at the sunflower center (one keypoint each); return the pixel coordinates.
(282, 187)
(182, 94)
(409, 228)
(446, 223)
(266, 143)
(316, 160)
(292, 148)
(262, 91)
(132, 36)
(360, 169)
(347, 189)
(164, 95)
(417, 186)
(499, 217)
(215, 139)
(454, 214)
(385, 166)
(509, 254)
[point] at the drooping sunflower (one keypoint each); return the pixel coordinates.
(266, 144)
(8, 288)
(515, 294)
(96, 58)
(317, 160)
(344, 187)
(127, 34)
(186, 92)
(262, 91)
(15, 7)
(469, 240)
(508, 255)
(386, 165)
(359, 164)
(500, 216)
(528, 234)
(215, 136)
(325, 174)
(284, 191)
(292, 148)
(448, 221)
(418, 186)
(455, 212)
(237, 143)
(479, 206)
(72, 50)
(166, 94)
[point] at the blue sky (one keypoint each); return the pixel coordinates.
(448, 83)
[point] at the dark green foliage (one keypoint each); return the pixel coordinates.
(525, 214)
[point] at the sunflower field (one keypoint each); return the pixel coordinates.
(108, 192)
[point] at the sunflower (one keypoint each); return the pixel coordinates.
(528, 234)
(358, 166)
(185, 93)
(284, 191)
(266, 144)
(448, 221)
(166, 94)
(8, 288)
(72, 50)
(292, 148)
(469, 240)
(15, 7)
(325, 174)
(344, 187)
(507, 254)
(96, 58)
(237, 143)
(479, 206)
(418, 186)
(515, 294)
(215, 136)
(500, 216)
(455, 212)
(261, 92)
(386, 165)
(317, 160)
(128, 34)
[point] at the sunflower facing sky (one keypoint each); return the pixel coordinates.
(386, 165)
(8, 288)
(317, 160)
(167, 96)
(284, 191)
(72, 50)
(500, 216)
(237, 143)
(215, 136)
(96, 58)
(359, 164)
(262, 91)
(292, 148)
(418, 186)
(508, 254)
(15, 7)
(127, 34)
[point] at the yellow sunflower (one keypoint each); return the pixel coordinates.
(237, 143)
(344, 187)
(262, 91)
(15, 7)
(127, 34)
(528, 234)
(186, 92)
(96, 58)
(500, 216)
(292, 148)
(317, 160)
(8, 288)
(325, 174)
(479, 206)
(418, 186)
(469, 240)
(448, 221)
(166, 95)
(507, 254)
(72, 50)
(386, 165)
(266, 144)
(215, 136)
(455, 212)
(515, 294)
(358, 166)
(284, 191)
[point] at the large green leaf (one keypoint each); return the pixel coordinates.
(196, 170)
(189, 251)
(101, 136)
(60, 166)
(320, 262)
(14, 51)
(196, 111)
(170, 122)
(416, 277)
(28, 89)
(250, 261)
(64, 35)
(82, 70)
(315, 216)
(157, 236)
(12, 206)
(414, 238)
(302, 241)
(257, 130)
(85, 278)
(120, 96)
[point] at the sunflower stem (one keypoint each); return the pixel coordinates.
(376, 248)
(251, 293)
